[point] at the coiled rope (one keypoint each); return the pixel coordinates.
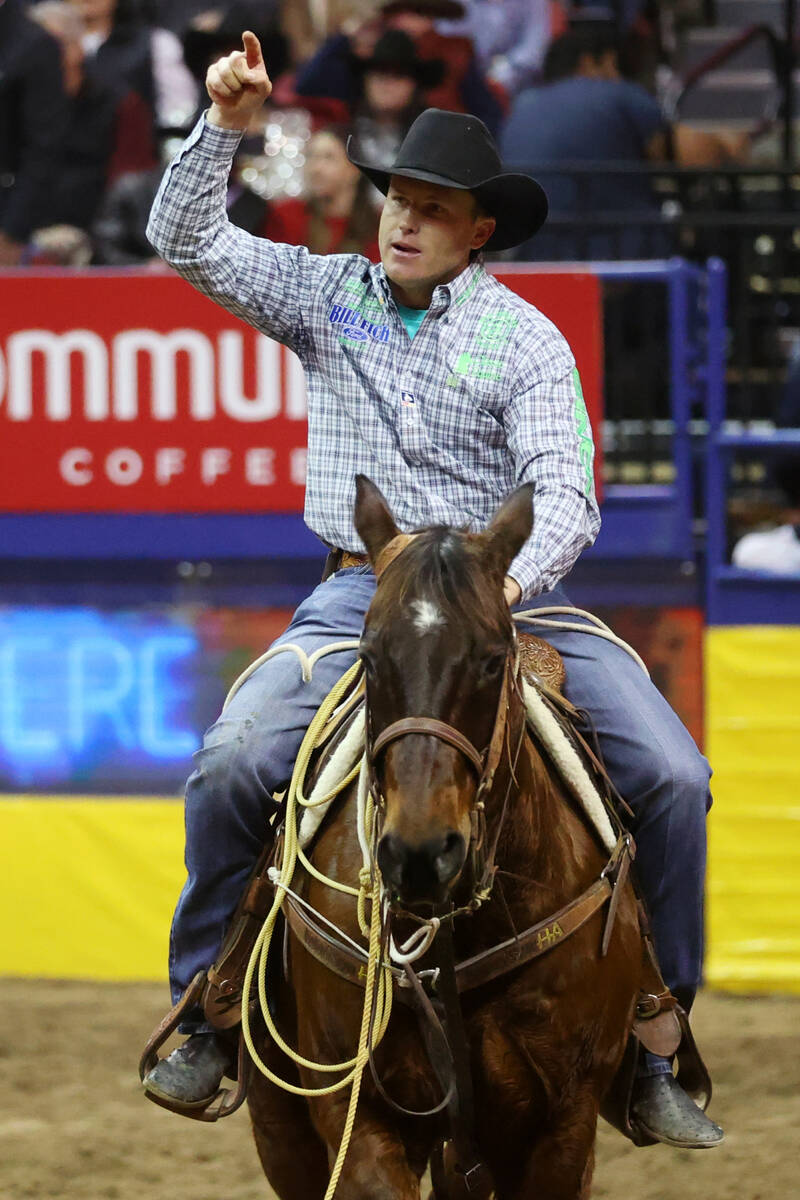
(378, 981)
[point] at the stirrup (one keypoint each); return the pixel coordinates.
(225, 1100)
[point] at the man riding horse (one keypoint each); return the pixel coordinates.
(448, 390)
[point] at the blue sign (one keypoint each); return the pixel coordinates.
(94, 701)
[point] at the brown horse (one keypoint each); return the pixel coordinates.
(546, 1039)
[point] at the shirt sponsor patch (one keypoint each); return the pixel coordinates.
(355, 326)
(496, 328)
(475, 366)
(584, 433)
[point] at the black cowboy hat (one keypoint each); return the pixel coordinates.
(446, 10)
(396, 54)
(457, 150)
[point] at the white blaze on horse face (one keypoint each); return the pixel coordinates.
(427, 616)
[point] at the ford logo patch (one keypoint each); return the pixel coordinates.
(355, 335)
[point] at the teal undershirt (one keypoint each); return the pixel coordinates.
(412, 318)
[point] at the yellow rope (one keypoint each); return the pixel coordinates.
(362, 1057)
(340, 786)
(332, 883)
(378, 975)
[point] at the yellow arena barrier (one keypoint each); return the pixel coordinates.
(753, 741)
(93, 881)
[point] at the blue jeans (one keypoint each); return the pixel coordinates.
(249, 752)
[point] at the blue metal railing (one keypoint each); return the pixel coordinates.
(655, 521)
(735, 596)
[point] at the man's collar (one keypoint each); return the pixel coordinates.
(457, 291)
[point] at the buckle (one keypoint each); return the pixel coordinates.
(622, 851)
(477, 1178)
(648, 1006)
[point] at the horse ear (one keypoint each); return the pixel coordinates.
(511, 526)
(373, 517)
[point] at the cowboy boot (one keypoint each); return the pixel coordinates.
(192, 1074)
(665, 1112)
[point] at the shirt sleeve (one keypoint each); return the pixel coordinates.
(261, 282)
(550, 438)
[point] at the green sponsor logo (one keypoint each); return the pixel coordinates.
(584, 432)
(496, 328)
(475, 366)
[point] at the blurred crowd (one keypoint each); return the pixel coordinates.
(95, 96)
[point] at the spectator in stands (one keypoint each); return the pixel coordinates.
(118, 233)
(307, 23)
(338, 215)
(394, 80)
(776, 550)
(31, 125)
(334, 70)
(107, 133)
(122, 50)
(510, 38)
(586, 114)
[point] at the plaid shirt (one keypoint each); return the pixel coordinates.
(484, 398)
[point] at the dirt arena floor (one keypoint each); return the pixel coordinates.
(74, 1125)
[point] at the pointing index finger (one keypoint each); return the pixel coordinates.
(252, 49)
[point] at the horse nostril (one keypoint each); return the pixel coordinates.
(420, 871)
(392, 853)
(449, 858)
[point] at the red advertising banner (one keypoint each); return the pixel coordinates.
(130, 392)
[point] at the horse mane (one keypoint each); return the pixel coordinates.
(446, 566)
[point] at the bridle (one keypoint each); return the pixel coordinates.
(480, 854)
(440, 1015)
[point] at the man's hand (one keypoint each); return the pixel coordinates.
(512, 591)
(238, 85)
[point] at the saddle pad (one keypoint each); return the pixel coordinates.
(346, 752)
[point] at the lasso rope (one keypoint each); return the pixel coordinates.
(370, 1033)
(598, 628)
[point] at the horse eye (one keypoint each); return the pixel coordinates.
(493, 663)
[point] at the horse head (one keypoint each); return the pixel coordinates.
(437, 648)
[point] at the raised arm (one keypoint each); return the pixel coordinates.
(261, 282)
